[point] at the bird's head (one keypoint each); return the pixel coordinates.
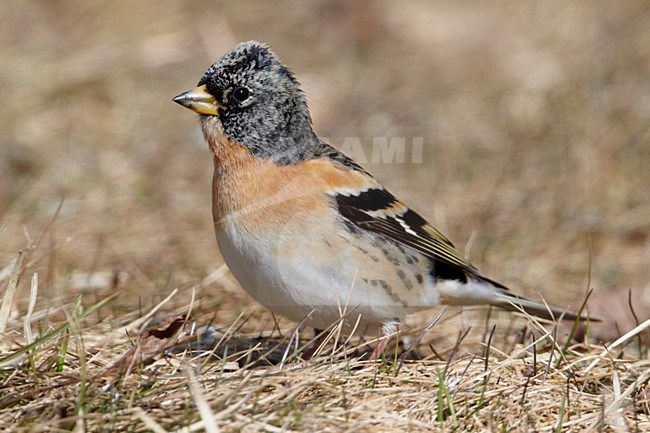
(256, 101)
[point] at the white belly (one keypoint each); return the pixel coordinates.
(306, 275)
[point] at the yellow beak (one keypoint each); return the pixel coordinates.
(199, 100)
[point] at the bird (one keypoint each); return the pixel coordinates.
(308, 232)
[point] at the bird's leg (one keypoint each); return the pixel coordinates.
(314, 344)
(387, 329)
(379, 349)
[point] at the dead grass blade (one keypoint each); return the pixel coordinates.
(148, 421)
(205, 411)
(27, 323)
(617, 343)
(6, 360)
(8, 299)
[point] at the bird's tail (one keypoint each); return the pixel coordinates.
(512, 302)
(490, 292)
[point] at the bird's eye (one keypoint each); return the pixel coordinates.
(241, 94)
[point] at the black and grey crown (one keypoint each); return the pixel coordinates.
(263, 107)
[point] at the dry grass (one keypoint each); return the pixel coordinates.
(99, 373)
(537, 161)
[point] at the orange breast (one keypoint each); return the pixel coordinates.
(259, 195)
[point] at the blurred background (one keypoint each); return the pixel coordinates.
(534, 118)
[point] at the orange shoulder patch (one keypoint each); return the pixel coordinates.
(336, 178)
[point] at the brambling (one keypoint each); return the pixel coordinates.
(306, 231)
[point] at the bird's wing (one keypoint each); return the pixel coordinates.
(364, 202)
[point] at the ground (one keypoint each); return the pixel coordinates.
(532, 119)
